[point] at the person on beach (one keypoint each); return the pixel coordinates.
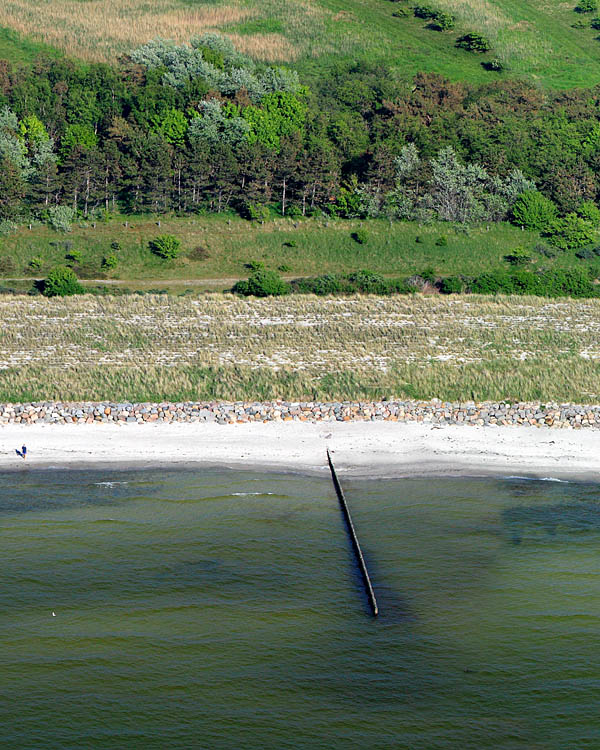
(22, 452)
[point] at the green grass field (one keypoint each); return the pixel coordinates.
(534, 40)
(216, 249)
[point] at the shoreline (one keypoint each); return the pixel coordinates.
(360, 450)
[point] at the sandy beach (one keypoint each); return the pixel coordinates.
(375, 449)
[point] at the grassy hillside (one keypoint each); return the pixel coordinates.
(214, 247)
(532, 39)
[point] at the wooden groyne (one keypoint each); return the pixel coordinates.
(355, 543)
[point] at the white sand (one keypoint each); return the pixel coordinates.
(371, 449)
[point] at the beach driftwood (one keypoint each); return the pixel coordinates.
(354, 538)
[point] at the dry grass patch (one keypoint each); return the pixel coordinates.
(152, 348)
(100, 29)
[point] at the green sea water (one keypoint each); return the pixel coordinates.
(220, 609)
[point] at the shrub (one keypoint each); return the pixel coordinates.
(452, 285)
(256, 212)
(293, 212)
(327, 284)
(166, 246)
(474, 42)
(61, 282)
(428, 275)
(360, 236)
(552, 283)
(424, 11)
(368, 282)
(263, 284)
(284, 268)
(116, 246)
(518, 257)
(494, 65)
(419, 239)
(401, 13)
(533, 210)
(586, 253)
(73, 257)
(442, 241)
(109, 262)
(595, 23)
(580, 24)
(589, 211)
(442, 21)
(570, 232)
(255, 265)
(586, 6)
(61, 218)
(35, 264)
(290, 243)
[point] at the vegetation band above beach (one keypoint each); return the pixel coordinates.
(156, 348)
(195, 160)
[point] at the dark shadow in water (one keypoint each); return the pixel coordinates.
(569, 518)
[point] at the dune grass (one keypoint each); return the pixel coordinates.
(533, 40)
(219, 248)
(154, 348)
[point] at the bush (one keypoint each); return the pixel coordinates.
(360, 236)
(61, 218)
(73, 257)
(35, 264)
(322, 285)
(452, 285)
(552, 283)
(570, 232)
(116, 246)
(580, 24)
(533, 210)
(263, 284)
(518, 257)
(166, 246)
(368, 282)
(586, 6)
(595, 23)
(256, 212)
(401, 13)
(442, 241)
(428, 275)
(494, 65)
(590, 212)
(424, 11)
(255, 265)
(474, 42)
(284, 268)
(442, 21)
(61, 282)
(109, 262)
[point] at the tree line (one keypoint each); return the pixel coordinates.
(201, 127)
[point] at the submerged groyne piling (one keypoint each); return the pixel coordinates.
(354, 538)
